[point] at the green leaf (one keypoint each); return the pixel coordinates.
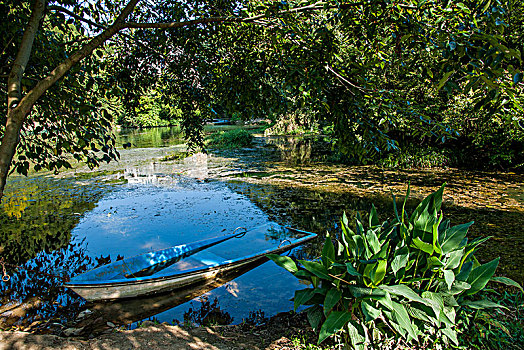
(373, 217)
(459, 287)
(451, 238)
(436, 303)
(351, 270)
(373, 242)
(332, 298)
(314, 316)
(284, 261)
(482, 304)
(334, 322)
(465, 271)
(400, 314)
(454, 258)
(303, 275)
(371, 313)
(444, 80)
(359, 292)
(449, 277)
(420, 312)
(507, 282)
(316, 269)
(328, 252)
(376, 272)
(450, 334)
(357, 339)
(404, 291)
(400, 260)
(480, 276)
(425, 247)
(303, 296)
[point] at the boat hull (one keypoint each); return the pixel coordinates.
(108, 291)
(142, 286)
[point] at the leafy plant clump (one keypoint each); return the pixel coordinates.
(413, 280)
(236, 138)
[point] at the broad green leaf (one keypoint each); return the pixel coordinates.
(328, 252)
(425, 247)
(399, 262)
(334, 322)
(351, 270)
(405, 291)
(373, 217)
(436, 303)
(465, 271)
(376, 272)
(448, 316)
(400, 314)
(357, 339)
(284, 261)
(359, 292)
(482, 304)
(369, 311)
(373, 242)
(480, 276)
(303, 296)
(450, 334)
(303, 275)
(449, 277)
(431, 203)
(417, 311)
(314, 316)
(451, 238)
(316, 269)
(434, 261)
(459, 287)
(453, 259)
(507, 282)
(449, 300)
(332, 298)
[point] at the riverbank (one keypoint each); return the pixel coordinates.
(284, 331)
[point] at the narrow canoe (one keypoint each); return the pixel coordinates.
(185, 264)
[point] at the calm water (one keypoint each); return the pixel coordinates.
(67, 224)
(76, 222)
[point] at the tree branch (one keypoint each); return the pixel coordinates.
(74, 15)
(221, 19)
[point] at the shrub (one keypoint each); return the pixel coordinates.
(235, 138)
(410, 279)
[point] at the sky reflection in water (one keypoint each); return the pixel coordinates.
(140, 218)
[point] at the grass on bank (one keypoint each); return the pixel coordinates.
(236, 138)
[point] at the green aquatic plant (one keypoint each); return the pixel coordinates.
(409, 279)
(235, 138)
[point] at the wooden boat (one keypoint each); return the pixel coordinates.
(185, 264)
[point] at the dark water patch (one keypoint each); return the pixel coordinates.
(37, 214)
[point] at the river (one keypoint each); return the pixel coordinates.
(152, 199)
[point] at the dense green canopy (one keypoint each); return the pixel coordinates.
(365, 69)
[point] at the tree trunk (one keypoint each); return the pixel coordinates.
(18, 107)
(15, 115)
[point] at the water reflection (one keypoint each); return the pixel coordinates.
(37, 214)
(34, 300)
(128, 311)
(152, 137)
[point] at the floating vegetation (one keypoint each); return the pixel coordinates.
(176, 156)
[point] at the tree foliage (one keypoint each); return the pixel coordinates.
(364, 68)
